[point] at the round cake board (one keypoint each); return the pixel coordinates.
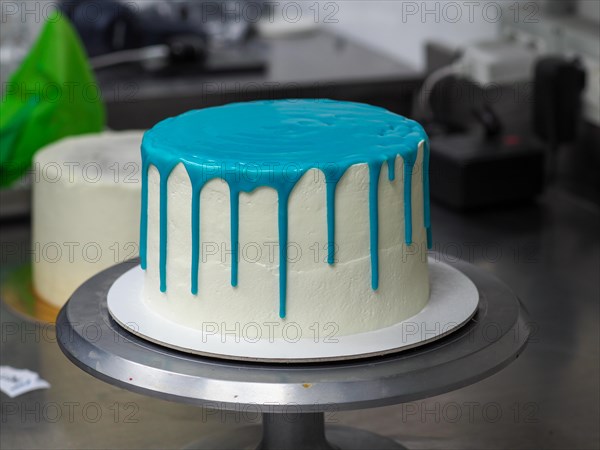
(453, 301)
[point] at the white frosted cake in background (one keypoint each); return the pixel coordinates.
(324, 203)
(86, 206)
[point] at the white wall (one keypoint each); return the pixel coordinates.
(400, 28)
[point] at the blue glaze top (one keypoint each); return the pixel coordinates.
(273, 143)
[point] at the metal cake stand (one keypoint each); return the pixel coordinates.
(293, 398)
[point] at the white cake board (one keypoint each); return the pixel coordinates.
(453, 301)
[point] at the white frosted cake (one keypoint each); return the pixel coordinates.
(86, 206)
(279, 218)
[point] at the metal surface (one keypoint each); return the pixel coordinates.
(461, 358)
(548, 252)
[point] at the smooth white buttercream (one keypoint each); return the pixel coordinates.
(332, 299)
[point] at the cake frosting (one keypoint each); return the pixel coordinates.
(308, 214)
(86, 206)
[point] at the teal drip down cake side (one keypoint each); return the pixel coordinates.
(287, 218)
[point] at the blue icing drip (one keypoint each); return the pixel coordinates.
(409, 163)
(195, 240)
(374, 171)
(426, 206)
(144, 214)
(234, 201)
(331, 223)
(163, 233)
(391, 163)
(332, 176)
(283, 197)
(274, 143)
(197, 185)
(196, 189)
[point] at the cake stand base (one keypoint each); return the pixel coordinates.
(493, 338)
(304, 432)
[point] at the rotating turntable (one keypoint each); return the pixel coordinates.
(293, 398)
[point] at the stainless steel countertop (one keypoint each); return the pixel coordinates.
(548, 252)
(318, 64)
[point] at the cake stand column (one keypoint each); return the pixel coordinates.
(304, 431)
(307, 431)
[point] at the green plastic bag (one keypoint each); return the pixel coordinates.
(51, 95)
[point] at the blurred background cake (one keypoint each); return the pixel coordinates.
(86, 209)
